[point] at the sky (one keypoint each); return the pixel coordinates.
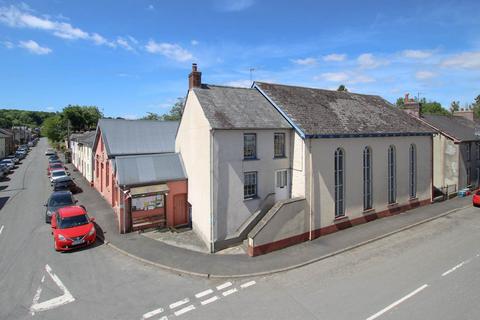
(130, 57)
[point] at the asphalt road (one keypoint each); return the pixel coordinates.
(428, 272)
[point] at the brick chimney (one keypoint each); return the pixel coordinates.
(194, 78)
(466, 113)
(411, 107)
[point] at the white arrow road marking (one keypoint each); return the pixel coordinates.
(52, 303)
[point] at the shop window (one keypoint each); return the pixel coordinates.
(148, 202)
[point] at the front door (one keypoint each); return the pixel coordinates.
(180, 215)
(281, 185)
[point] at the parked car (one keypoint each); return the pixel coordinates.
(4, 169)
(50, 152)
(54, 162)
(476, 198)
(57, 200)
(14, 158)
(55, 174)
(72, 228)
(9, 163)
(20, 154)
(53, 157)
(64, 183)
(54, 166)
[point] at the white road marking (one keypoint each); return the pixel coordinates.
(210, 300)
(224, 285)
(1, 229)
(185, 310)
(203, 293)
(396, 303)
(453, 269)
(248, 284)
(52, 303)
(152, 313)
(179, 303)
(229, 292)
(163, 318)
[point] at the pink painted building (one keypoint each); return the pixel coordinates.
(139, 175)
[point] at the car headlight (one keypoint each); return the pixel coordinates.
(91, 232)
(49, 213)
(61, 237)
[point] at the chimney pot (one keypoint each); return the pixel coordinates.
(194, 78)
(406, 97)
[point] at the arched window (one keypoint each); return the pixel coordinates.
(339, 183)
(412, 172)
(392, 175)
(367, 178)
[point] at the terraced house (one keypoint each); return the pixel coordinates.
(276, 165)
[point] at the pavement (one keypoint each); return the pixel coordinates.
(192, 262)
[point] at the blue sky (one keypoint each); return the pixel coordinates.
(133, 57)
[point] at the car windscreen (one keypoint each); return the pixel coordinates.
(70, 222)
(58, 173)
(60, 200)
(56, 166)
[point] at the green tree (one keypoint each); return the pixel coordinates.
(476, 106)
(152, 116)
(54, 128)
(82, 118)
(432, 107)
(175, 113)
(454, 106)
(400, 102)
(342, 88)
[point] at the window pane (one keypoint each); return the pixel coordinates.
(250, 184)
(279, 144)
(249, 146)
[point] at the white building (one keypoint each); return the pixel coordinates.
(81, 146)
(280, 164)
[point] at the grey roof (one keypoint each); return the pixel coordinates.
(149, 169)
(238, 108)
(87, 138)
(128, 137)
(457, 127)
(325, 113)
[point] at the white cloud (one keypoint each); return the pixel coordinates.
(239, 83)
(194, 42)
(151, 7)
(424, 75)
(34, 47)
(305, 62)
(132, 40)
(21, 17)
(465, 60)
(169, 50)
(124, 44)
(233, 5)
(345, 77)
(417, 54)
(369, 61)
(8, 44)
(333, 76)
(335, 57)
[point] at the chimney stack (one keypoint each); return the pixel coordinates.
(194, 78)
(411, 107)
(465, 113)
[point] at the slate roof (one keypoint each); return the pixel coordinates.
(319, 113)
(87, 138)
(238, 108)
(149, 169)
(456, 127)
(129, 137)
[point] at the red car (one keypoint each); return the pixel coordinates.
(54, 166)
(476, 199)
(72, 228)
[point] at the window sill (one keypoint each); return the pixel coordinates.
(395, 204)
(250, 159)
(413, 199)
(282, 157)
(251, 198)
(340, 219)
(369, 211)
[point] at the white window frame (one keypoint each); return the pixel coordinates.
(412, 172)
(246, 148)
(339, 176)
(247, 194)
(281, 146)
(392, 175)
(367, 179)
(281, 178)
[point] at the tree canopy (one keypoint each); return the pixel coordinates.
(427, 107)
(342, 88)
(34, 119)
(175, 113)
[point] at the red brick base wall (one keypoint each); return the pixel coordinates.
(340, 225)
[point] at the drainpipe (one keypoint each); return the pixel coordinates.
(212, 222)
(310, 177)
